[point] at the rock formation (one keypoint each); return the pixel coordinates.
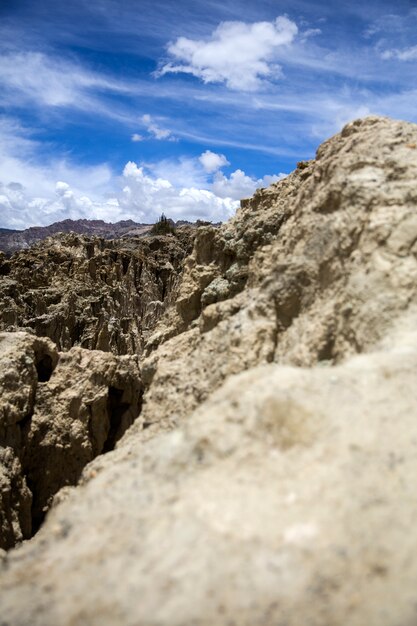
(270, 477)
(97, 294)
(312, 269)
(50, 428)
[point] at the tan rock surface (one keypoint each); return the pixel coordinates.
(286, 493)
(57, 412)
(329, 254)
(287, 498)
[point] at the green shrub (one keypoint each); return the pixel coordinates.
(163, 226)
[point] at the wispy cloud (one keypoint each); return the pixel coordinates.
(404, 54)
(155, 130)
(51, 81)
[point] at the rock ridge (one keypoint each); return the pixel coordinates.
(313, 269)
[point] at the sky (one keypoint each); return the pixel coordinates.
(124, 109)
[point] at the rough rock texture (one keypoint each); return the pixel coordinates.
(57, 412)
(314, 268)
(288, 498)
(286, 493)
(98, 294)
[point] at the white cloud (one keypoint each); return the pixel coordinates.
(29, 189)
(25, 210)
(203, 172)
(34, 193)
(311, 32)
(50, 81)
(183, 172)
(240, 185)
(406, 54)
(136, 137)
(146, 197)
(155, 130)
(238, 54)
(211, 161)
(143, 197)
(61, 188)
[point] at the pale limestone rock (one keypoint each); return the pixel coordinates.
(326, 260)
(57, 412)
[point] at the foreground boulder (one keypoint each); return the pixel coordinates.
(287, 498)
(285, 371)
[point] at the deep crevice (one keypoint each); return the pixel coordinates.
(116, 410)
(125, 264)
(37, 518)
(44, 368)
(326, 351)
(121, 415)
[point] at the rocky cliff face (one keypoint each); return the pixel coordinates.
(269, 477)
(93, 293)
(311, 270)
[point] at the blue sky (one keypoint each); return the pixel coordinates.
(118, 109)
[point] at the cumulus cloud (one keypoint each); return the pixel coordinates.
(136, 137)
(142, 196)
(238, 54)
(182, 172)
(204, 172)
(28, 187)
(211, 161)
(239, 185)
(146, 197)
(20, 209)
(187, 188)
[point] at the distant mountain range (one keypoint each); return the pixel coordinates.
(14, 240)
